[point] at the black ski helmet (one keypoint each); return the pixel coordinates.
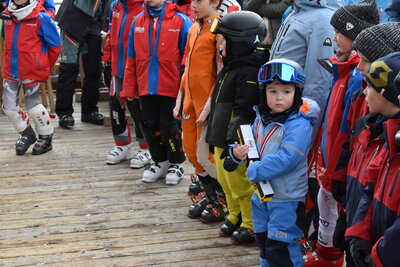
(299, 83)
(243, 31)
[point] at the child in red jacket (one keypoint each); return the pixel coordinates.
(32, 45)
(122, 13)
(156, 47)
(379, 206)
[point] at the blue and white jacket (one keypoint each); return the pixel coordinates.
(305, 36)
(283, 149)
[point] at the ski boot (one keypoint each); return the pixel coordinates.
(195, 187)
(306, 245)
(227, 228)
(25, 140)
(198, 198)
(242, 236)
(323, 256)
(42, 145)
(217, 209)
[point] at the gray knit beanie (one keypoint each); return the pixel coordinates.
(352, 19)
(378, 41)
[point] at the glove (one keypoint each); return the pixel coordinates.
(107, 74)
(252, 171)
(230, 163)
(361, 253)
(339, 191)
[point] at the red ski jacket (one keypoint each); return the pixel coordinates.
(31, 46)
(380, 212)
(386, 205)
(155, 53)
(347, 80)
(364, 164)
(122, 13)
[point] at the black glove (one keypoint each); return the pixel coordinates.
(229, 164)
(361, 253)
(107, 74)
(339, 191)
(340, 229)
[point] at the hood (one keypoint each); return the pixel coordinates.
(256, 59)
(310, 110)
(311, 4)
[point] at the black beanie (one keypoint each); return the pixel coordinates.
(382, 74)
(379, 40)
(352, 19)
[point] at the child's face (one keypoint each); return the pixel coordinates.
(154, 3)
(20, 2)
(345, 44)
(280, 96)
(364, 64)
(204, 8)
(375, 101)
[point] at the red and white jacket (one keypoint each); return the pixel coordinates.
(31, 46)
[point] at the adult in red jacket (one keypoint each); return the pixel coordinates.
(156, 47)
(122, 13)
(32, 45)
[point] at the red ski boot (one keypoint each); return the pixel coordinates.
(324, 257)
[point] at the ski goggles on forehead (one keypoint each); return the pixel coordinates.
(285, 72)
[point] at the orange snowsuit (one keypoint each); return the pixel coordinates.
(197, 84)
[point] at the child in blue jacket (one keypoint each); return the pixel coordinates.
(283, 130)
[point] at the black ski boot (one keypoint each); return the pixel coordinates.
(42, 145)
(25, 140)
(195, 187)
(227, 228)
(199, 204)
(242, 236)
(217, 210)
(198, 198)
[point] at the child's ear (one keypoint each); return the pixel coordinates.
(217, 3)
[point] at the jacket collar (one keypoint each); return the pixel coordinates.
(391, 127)
(206, 22)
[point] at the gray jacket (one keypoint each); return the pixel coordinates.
(305, 36)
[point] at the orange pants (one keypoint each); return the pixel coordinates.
(194, 139)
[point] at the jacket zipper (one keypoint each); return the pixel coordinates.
(373, 156)
(355, 159)
(394, 183)
(283, 36)
(384, 182)
(359, 170)
(220, 87)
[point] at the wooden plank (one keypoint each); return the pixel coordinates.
(68, 208)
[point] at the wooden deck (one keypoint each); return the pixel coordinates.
(68, 208)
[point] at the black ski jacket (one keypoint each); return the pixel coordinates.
(234, 95)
